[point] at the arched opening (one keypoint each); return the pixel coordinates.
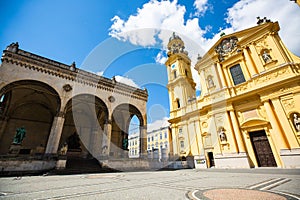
(85, 117)
(134, 137)
(30, 106)
(121, 118)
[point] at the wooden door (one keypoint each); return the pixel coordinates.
(262, 149)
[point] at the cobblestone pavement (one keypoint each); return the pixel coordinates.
(214, 184)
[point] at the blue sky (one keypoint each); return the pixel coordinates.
(128, 37)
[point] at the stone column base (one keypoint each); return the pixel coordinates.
(14, 149)
(61, 164)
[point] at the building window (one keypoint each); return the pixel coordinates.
(148, 139)
(160, 136)
(148, 146)
(166, 145)
(166, 135)
(237, 74)
(152, 138)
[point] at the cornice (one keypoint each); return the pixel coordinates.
(53, 68)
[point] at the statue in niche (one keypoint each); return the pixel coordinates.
(210, 81)
(20, 135)
(222, 135)
(296, 122)
(266, 56)
(73, 141)
(125, 144)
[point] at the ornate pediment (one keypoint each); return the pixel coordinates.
(226, 46)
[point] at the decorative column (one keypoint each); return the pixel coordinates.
(203, 82)
(238, 134)
(55, 133)
(275, 125)
(256, 58)
(221, 75)
(249, 63)
(232, 131)
(143, 141)
(284, 122)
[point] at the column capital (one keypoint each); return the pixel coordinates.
(230, 107)
(265, 100)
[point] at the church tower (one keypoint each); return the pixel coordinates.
(181, 85)
(182, 97)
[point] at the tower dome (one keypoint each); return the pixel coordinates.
(176, 45)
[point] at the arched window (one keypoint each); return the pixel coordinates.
(175, 74)
(178, 103)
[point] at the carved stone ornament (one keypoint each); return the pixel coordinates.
(226, 46)
(67, 87)
(111, 99)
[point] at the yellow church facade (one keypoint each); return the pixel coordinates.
(248, 113)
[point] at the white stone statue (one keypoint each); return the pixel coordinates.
(296, 121)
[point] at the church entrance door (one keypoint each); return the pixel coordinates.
(262, 149)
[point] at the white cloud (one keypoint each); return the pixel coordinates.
(154, 23)
(243, 15)
(160, 58)
(201, 6)
(126, 81)
(158, 124)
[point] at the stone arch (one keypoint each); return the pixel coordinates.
(121, 117)
(30, 104)
(85, 119)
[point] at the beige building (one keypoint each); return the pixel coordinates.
(160, 140)
(134, 145)
(248, 113)
(62, 110)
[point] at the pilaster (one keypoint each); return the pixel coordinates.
(106, 141)
(249, 63)
(143, 141)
